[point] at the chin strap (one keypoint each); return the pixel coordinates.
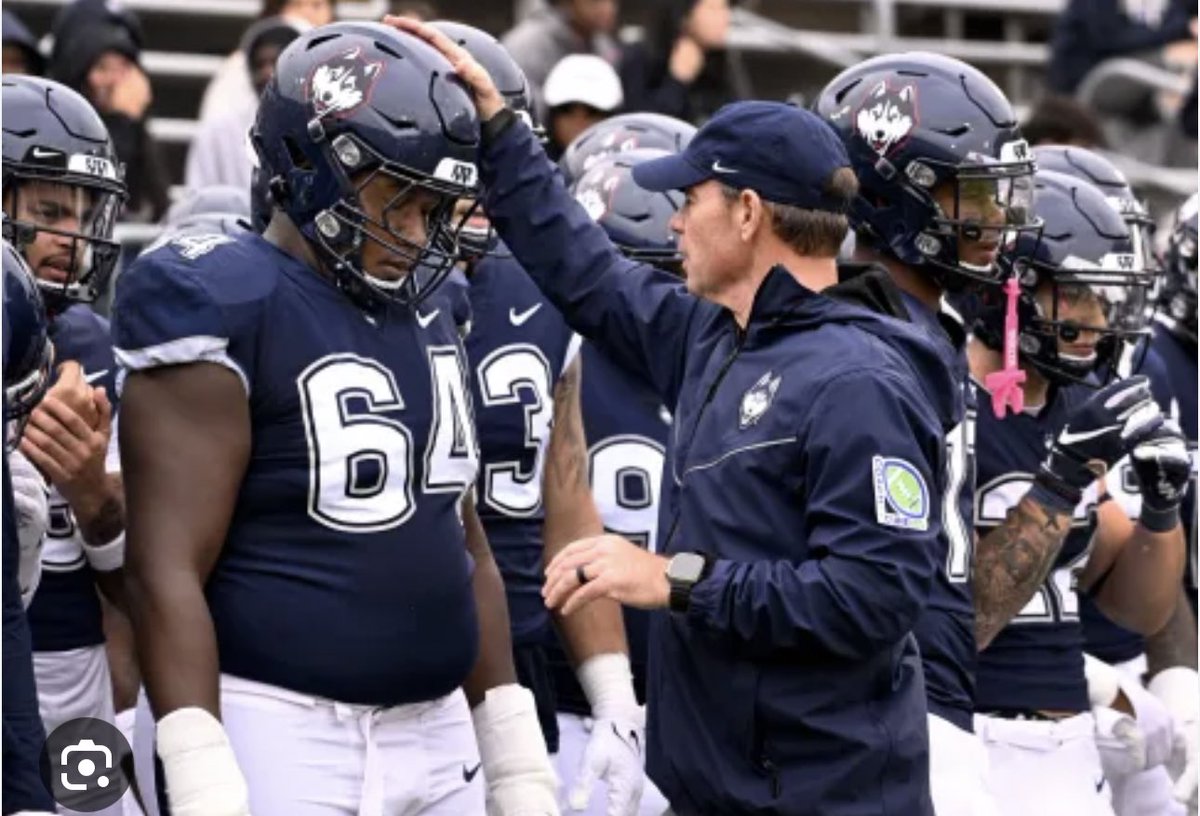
(1005, 385)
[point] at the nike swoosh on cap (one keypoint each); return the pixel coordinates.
(717, 168)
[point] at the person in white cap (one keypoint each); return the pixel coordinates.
(581, 90)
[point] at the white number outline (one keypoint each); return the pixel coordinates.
(960, 465)
(647, 539)
(511, 396)
(470, 444)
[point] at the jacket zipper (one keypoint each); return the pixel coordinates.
(708, 398)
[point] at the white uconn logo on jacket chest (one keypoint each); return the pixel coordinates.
(758, 399)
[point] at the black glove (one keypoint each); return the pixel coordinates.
(1100, 432)
(1163, 467)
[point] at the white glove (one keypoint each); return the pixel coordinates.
(520, 778)
(1120, 743)
(31, 503)
(201, 772)
(1154, 721)
(618, 735)
(1179, 690)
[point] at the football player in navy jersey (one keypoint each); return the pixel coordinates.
(1136, 788)
(943, 173)
(62, 194)
(310, 584)
(1082, 291)
(533, 495)
(27, 357)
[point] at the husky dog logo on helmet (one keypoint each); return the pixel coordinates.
(343, 84)
(887, 117)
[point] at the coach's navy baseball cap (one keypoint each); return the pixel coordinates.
(784, 153)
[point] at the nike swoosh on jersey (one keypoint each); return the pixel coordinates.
(469, 775)
(1069, 438)
(426, 319)
(92, 376)
(521, 318)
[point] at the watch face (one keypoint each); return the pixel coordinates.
(686, 568)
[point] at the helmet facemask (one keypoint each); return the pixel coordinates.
(979, 209)
(1086, 321)
(63, 226)
(343, 231)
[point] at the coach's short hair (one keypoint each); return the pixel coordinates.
(814, 233)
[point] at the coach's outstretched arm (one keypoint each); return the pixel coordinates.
(641, 317)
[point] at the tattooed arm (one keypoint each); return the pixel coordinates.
(571, 514)
(1011, 562)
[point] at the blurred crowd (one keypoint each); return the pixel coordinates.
(581, 72)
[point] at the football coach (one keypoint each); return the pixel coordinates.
(802, 488)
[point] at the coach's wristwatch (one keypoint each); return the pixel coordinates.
(684, 571)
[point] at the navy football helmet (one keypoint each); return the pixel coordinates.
(1081, 281)
(61, 178)
(617, 134)
(637, 221)
(28, 354)
(1092, 166)
(919, 127)
(349, 103)
(1176, 297)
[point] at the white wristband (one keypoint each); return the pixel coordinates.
(607, 680)
(107, 557)
(201, 771)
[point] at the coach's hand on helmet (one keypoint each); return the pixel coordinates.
(606, 566)
(488, 101)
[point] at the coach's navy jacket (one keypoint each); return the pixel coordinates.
(808, 461)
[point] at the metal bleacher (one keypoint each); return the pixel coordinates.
(788, 47)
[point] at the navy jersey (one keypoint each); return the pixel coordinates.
(627, 428)
(344, 572)
(946, 631)
(518, 347)
(65, 613)
(1036, 661)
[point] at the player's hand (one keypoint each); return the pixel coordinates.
(1098, 434)
(59, 440)
(31, 503)
(488, 101)
(520, 778)
(201, 772)
(1163, 466)
(606, 566)
(617, 737)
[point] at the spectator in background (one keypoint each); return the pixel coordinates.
(21, 55)
(1089, 32)
(230, 88)
(220, 153)
(681, 67)
(558, 29)
(97, 47)
(582, 89)
(416, 9)
(1060, 120)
